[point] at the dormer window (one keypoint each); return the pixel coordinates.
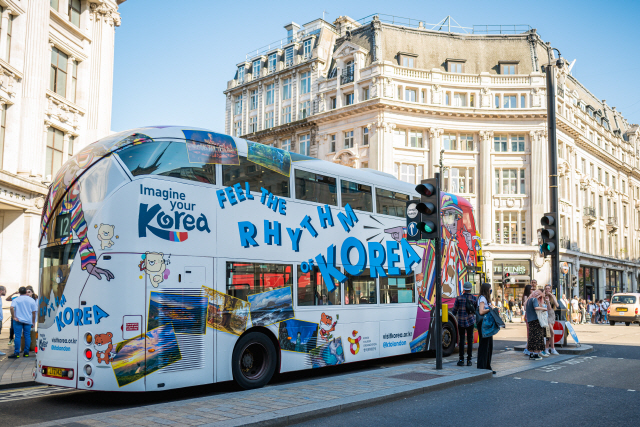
(306, 49)
(256, 69)
(288, 56)
(241, 74)
(508, 67)
(455, 65)
(406, 59)
(605, 123)
(273, 58)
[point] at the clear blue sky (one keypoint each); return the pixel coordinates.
(173, 58)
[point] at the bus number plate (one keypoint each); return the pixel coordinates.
(56, 372)
(63, 226)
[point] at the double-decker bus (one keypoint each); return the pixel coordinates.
(172, 257)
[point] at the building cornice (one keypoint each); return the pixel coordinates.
(284, 129)
(15, 7)
(64, 22)
(66, 47)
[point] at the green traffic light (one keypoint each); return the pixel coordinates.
(427, 227)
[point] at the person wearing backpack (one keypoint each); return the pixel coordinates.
(464, 308)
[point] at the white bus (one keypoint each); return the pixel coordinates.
(173, 257)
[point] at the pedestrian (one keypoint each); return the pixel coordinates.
(485, 348)
(10, 298)
(574, 310)
(599, 311)
(510, 310)
(464, 308)
(552, 304)
(23, 313)
(3, 292)
(592, 312)
(605, 312)
(535, 339)
(525, 297)
(581, 306)
(565, 305)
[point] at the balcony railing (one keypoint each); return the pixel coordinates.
(565, 243)
(346, 77)
(589, 211)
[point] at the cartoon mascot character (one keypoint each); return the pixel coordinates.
(104, 348)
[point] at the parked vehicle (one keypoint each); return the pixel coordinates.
(624, 308)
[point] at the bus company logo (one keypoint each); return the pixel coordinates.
(170, 225)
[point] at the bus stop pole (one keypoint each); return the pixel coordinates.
(438, 273)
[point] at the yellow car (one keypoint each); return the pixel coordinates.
(624, 308)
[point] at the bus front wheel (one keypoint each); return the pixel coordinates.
(254, 361)
(449, 338)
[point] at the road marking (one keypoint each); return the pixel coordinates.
(620, 358)
(630, 390)
(516, 378)
(554, 382)
(33, 392)
(590, 386)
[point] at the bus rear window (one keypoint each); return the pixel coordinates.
(257, 176)
(55, 265)
(314, 187)
(391, 203)
(166, 158)
(244, 279)
(623, 299)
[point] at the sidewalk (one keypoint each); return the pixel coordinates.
(14, 372)
(292, 403)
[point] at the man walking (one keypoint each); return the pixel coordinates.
(23, 313)
(510, 311)
(465, 308)
(574, 310)
(565, 305)
(3, 292)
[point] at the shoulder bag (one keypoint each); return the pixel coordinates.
(543, 318)
(489, 325)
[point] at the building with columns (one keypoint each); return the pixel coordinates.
(56, 78)
(405, 99)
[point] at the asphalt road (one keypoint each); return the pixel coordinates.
(595, 388)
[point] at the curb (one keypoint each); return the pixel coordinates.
(291, 416)
(18, 384)
(583, 349)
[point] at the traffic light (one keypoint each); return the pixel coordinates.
(429, 208)
(506, 278)
(574, 281)
(549, 234)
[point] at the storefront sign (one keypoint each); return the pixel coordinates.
(564, 266)
(515, 267)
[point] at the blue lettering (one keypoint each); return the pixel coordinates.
(239, 192)
(264, 194)
(325, 216)
(67, 316)
(247, 234)
(221, 198)
(63, 300)
(306, 223)
(282, 207)
(144, 218)
(409, 255)
(59, 323)
(247, 191)
(347, 245)
(393, 258)
(98, 313)
(87, 315)
(231, 195)
(348, 220)
(295, 235)
(77, 318)
(328, 268)
(270, 233)
(376, 260)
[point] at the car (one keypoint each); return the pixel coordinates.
(625, 308)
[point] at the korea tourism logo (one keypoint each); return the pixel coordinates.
(174, 225)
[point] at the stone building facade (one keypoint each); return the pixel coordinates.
(56, 78)
(403, 99)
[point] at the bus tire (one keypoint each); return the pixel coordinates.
(449, 338)
(254, 360)
(612, 323)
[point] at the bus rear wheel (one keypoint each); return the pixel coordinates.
(254, 361)
(449, 339)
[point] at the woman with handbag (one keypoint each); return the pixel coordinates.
(525, 296)
(535, 340)
(552, 304)
(485, 348)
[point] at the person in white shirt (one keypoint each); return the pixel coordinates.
(23, 313)
(3, 292)
(574, 310)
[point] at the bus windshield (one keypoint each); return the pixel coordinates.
(55, 265)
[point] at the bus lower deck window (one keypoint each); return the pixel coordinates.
(244, 279)
(360, 289)
(397, 289)
(313, 291)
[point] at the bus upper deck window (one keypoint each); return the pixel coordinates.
(358, 196)
(391, 203)
(317, 188)
(257, 176)
(166, 158)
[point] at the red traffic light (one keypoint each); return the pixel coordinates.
(507, 274)
(427, 190)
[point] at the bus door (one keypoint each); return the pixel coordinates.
(179, 346)
(111, 326)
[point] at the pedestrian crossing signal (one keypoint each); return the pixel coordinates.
(422, 215)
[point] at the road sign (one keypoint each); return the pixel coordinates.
(573, 334)
(564, 266)
(558, 332)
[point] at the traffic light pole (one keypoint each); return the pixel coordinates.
(553, 168)
(438, 273)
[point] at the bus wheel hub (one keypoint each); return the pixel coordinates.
(247, 361)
